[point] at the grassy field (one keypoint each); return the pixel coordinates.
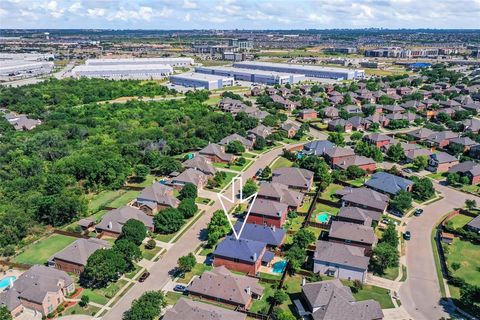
(124, 199)
(281, 162)
(376, 293)
(459, 220)
(230, 176)
(437, 176)
(213, 101)
(293, 288)
(173, 297)
(201, 200)
(196, 271)
(467, 255)
(145, 183)
(76, 309)
(390, 273)
(471, 189)
(330, 191)
(149, 253)
(321, 207)
(357, 182)
(102, 199)
(101, 296)
(41, 251)
(262, 305)
(232, 166)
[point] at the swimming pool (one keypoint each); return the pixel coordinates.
(279, 266)
(323, 217)
(5, 282)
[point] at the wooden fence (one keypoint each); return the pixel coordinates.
(71, 234)
(15, 265)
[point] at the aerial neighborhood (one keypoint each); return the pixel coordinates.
(222, 184)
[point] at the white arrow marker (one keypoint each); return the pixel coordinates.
(221, 197)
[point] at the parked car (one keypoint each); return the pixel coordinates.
(179, 288)
(407, 170)
(418, 212)
(144, 276)
(396, 212)
(407, 235)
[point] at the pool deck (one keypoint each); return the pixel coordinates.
(10, 273)
(269, 269)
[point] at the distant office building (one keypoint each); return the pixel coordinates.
(233, 56)
(252, 75)
(174, 62)
(121, 72)
(343, 50)
(201, 80)
(307, 70)
(241, 44)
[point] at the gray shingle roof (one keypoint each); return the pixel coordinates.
(236, 137)
(115, 219)
(79, 251)
(186, 309)
(355, 160)
(281, 193)
(388, 183)
(242, 249)
(317, 147)
(353, 232)
(475, 223)
(223, 284)
(216, 150)
(342, 254)
(200, 163)
(160, 194)
(293, 177)
(269, 235)
(268, 208)
(360, 214)
(365, 196)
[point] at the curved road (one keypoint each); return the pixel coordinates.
(420, 294)
(187, 243)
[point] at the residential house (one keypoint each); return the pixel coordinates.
(74, 257)
(21, 122)
(200, 163)
(388, 183)
(340, 261)
(344, 125)
(440, 139)
(364, 198)
(268, 212)
(414, 153)
(113, 221)
(336, 155)
(420, 134)
(378, 139)
(331, 300)
(465, 142)
(295, 178)
(40, 288)
(240, 255)
(260, 131)
(392, 109)
(317, 147)
(186, 309)
(308, 114)
(381, 119)
(469, 169)
(290, 128)
(353, 234)
(364, 163)
(216, 153)
(193, 176)
(255, 91)
(359, 123)
(441, 162)
(473, 225)
(353, 109)
(156, 197)
(331, 113)
(414, 104)
(273, 237)
(221, 285)
(359, 215)
(281, 193)
(472, 125)
(248, 144)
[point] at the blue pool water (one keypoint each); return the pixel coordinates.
(323, 217)
(279, 266)
(5, 282)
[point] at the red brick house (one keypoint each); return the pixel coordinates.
(336, 155)
(216, 153)
(240, 255)
(378, 139)
(268, 212)
(308, 114)
(353, 234)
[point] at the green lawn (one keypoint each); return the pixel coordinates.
(124, 199)
(436, 176)
(201, 200)
(281, 162)
(357, 182)
(471, 189)
(247, 155)
(76, 309)
(102, 199)
(132, 273)
(172, 297)
(262, 305)
(328, 193)
(230, 176)
(293, 288)
(149, 253)
(467, 255)
(39, 252)
(165, 237)
(206, 251)
(270, 276)
(213, 101)
(196, 271)
(316, 231)
(145, 183)
(306, 203)
(321, 207)
(372, 292)
(459, 221)
(390, 273)
(234, 167)
(103, 295)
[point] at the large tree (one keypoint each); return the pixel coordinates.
(396, 152)
(128, 249)
(402, 201)
(188, 207)
(102, 267)
(384, 256)
(148, 307)
(188, 191)
(249, 188)
(134, 231)
(186, 263)
(423, 189)
(168, 221)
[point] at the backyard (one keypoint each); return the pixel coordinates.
(466, 255)
(196, 271)
(458, 221)
(262, 305)
(39, 252)
(233, 166)
(328, 193)
(281, 162)
(102, 295)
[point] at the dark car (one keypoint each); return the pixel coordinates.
(407, 235)
(396, 212)
(179, 288)
(418, 212)
(144, 276)
(407, 170)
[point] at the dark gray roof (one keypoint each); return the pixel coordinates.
(281, 192)
(464, 141)
(269, 235)
(463, 167)
(159, 194)
(318, 294)
(317, 147)
(216, 150)
(365, 196)
(359, 214)
(79, 251)
(268, 208)
(475, 223)
(186, 309)
(352, 232)
(339, 152)
(355, 160)
(293, 177)
(388, 183)
(343, 254)
(236, 137)
(422, 133)
(443, 157)
(242, 249)
(200, 163)
(115, 219)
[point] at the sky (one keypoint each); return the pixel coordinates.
(239, 14)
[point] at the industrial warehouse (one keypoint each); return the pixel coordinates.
(201, 80)
(174, 62)
(18, 69)
(260, 76)
(119, 72)
(307, 70)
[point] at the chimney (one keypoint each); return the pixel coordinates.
(249, 290)
(303, 281)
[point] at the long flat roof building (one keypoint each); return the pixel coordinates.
(119, 72)
(253, 75)
(13, 69)
(307, 70)
(174, 62)
(201, 80)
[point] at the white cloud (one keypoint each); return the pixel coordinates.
(228, 7)
(75, 8)
(96, 12)
(54, 10)
(187, 17)
(189, 4)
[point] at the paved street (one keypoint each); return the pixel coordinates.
(186, 244)
(420, 294)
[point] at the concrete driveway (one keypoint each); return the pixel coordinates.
(420, 294)
(187, 243)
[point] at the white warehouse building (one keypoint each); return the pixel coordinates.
(174, 62)
(201, 80)
(260, 76)
(18, 69)
(123, 72)
(307, 70)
